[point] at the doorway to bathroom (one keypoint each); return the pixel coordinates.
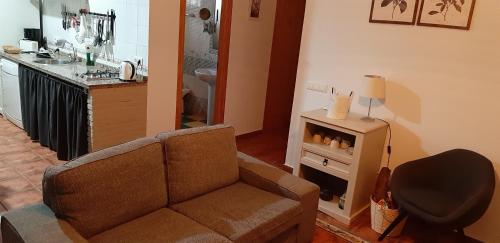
(203, 58)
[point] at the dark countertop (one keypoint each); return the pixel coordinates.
(66, 72)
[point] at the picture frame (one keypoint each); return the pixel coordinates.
(394, 11)
(453, 14)
(255, 8)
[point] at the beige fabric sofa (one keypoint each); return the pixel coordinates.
(183, 186)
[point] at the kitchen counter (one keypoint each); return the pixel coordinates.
(67, 72)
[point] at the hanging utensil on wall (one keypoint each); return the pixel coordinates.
(94, 32)
(63, 15)
(101, 31)
(113, 20)
(106, 38)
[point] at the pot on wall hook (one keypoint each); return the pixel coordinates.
(205, 14)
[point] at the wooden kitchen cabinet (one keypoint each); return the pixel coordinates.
(116, 115)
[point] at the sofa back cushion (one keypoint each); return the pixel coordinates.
(199, 161)
(102, 190)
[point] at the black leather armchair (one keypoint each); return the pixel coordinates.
(452, 189)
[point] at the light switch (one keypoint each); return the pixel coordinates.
(318, 87)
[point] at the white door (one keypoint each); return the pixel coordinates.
(1, 90)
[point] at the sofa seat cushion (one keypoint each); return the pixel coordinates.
(163, 225)
(243, 213)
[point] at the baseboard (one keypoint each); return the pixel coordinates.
(250, 134)
(288, 166)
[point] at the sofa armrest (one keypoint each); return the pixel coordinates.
(271, 179)
(37, 223)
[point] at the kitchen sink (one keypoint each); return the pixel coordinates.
(53, 61)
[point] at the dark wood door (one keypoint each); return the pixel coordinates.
(283, 66)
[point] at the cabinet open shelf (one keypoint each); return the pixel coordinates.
(336, 185)
(330, 207)
(312, 129)
(325, 150)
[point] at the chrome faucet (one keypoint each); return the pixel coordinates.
(61, 43)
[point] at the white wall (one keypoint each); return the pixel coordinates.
(132, 24)
(14, 17)
(442, 89)
(249, 58)
(162, 83)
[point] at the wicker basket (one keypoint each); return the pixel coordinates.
(382, 217)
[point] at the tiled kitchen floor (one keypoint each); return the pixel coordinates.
(22, 163)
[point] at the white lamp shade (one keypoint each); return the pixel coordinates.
(373, 87)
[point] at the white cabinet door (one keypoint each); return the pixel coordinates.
(1, 89)
(11, 97)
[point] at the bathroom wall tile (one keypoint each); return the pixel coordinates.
(142, 38)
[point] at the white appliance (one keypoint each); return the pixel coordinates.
(1, 90)
(28, 45)
(127, 71)
(11, 94)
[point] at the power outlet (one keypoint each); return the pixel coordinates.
(318, 87)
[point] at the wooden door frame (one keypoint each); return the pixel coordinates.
(222, 61)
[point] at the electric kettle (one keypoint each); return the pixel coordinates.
(127, 71)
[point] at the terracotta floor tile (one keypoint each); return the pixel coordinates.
(13, 148)
(34, 176)
(19, 157)
(8, 173)
(42, 151)
(22, 164)
(52, 158)
(22, 199)
(9, 187)
(33, 145)
(28, 166)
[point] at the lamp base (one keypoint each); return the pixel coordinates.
(367, 119)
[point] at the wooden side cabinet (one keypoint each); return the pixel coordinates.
(352, 172)
(116, 115)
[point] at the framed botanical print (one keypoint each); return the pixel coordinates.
(394, 11)
(455, 14)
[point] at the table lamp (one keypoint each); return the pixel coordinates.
(373, 88)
